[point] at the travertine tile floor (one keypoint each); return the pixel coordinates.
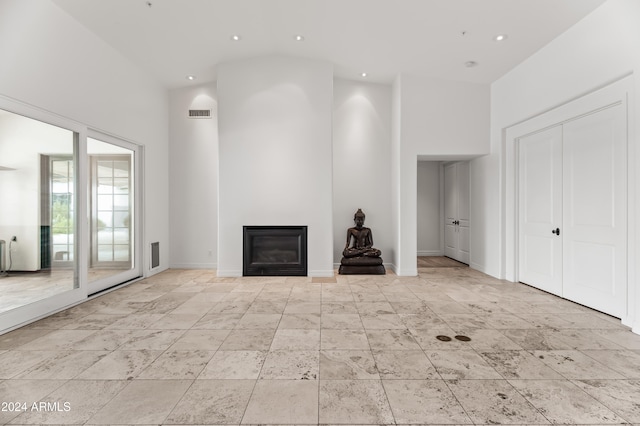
(185, 347)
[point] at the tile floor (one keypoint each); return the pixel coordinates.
(185, 347)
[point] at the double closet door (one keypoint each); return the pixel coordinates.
(456, 211)
(573, 212)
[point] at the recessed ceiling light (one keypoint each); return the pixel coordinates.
(470, 64)
(500, 37)
(298, 37)
(364, 74)
(191, 77)
(236, 37)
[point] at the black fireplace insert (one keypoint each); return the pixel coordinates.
(274, 251)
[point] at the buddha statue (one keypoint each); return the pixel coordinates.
(360, 257)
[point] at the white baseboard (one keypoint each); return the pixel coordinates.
(229, 273)
(478, 267)
(322, 273)
(430, 253)
(154, 271)
(408, 272)
(193, 266)
(484, 270)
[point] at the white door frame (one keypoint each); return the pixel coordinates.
(618, 92)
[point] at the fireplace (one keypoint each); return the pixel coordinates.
(274, 250)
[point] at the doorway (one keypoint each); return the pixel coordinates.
(443, 210)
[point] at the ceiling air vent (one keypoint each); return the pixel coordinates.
(199, 113)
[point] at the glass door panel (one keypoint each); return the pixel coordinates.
(38, 229)
(112, 214)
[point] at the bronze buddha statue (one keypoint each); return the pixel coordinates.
(360, 257)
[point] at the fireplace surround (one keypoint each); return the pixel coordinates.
(274, 251)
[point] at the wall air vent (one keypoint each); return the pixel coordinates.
(199, 113)
(155, 255)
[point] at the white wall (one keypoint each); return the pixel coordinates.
(52, 62)
(599, 49)
(193, 178)
(361, 172)
(275, 163)
(437, 119)
(428, 202)
(484, 230)
(361, 176)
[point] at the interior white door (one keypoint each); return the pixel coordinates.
(595, 210)
(456, 211)
(540, 210)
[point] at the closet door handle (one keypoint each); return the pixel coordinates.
(556, 231)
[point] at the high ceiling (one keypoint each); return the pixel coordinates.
(171, 39)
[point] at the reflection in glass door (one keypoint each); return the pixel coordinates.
(112, 214)
(111, 224)
(39, 187)
(61, 208)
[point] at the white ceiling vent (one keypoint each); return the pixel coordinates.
(199, 113)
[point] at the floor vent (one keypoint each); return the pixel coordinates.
(155, 255)
(199, 113)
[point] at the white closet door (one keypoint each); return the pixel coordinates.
(595, 218)
(540, 210)
(450, 211)
(456, 211)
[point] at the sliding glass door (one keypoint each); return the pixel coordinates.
(70, 210)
